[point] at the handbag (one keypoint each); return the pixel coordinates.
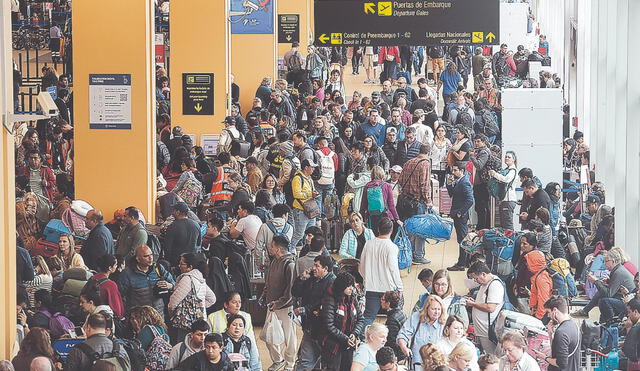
(187, 311)
(311, 209)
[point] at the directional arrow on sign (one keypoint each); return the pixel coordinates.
(288, 37)
(198, 107)
(323, 38)
(369, 8)
(491, 36)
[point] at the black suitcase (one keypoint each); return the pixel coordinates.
(258, 313)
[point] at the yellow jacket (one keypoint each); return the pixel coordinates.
(302, 187)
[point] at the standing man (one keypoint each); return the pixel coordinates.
(479, 159)
(407, 149)
(537, 198)
(99, 242)
(367, 62)
(310, 286)
(182, 236)
(132, 235)
(487, 304)
(193, 343)
(415, 181)
(247, 225)
(303, 191)
(375, 127)
(36, 177)
(631, 347)
(144, 282)
(213, 357)
(379, 269)
(459, 188)
(277, 295)
(565, 335)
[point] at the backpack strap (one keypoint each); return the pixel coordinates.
(285, 230)
(272, 228)
(89, 352)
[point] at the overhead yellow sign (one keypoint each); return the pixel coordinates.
(477, 37)
(336, 38)
(385, 8)
(369, 8)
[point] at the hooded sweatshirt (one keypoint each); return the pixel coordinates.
(187, 282)
(180, 352)
(541, 283)
(279, 281)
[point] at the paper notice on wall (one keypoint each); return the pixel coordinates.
(110, 101)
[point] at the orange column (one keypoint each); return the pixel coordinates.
(114, 168)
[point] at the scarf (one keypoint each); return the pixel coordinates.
(458, 144)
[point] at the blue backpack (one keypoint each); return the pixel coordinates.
(405, 252)
(282, 233)
(500, 250)
(375, 200)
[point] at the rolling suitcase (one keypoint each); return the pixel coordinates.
(445, 201)
(538, 341)
(509, 321)
(258, 312)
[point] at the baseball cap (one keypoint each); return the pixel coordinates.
(229, 120)
(391, 129)
(306, 163)
(286, 147)
(396, 169)
(375, 94)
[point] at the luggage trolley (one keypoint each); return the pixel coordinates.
(591, 360)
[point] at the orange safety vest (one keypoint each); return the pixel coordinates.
(220, 190)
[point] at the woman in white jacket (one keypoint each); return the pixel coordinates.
(191, 296)
(507, 176)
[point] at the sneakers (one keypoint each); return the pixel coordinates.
(580, 314)
(421, 261)
(456, 267)
(277, 366)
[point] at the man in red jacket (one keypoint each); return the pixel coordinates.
(36, 177)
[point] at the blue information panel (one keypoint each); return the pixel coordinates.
(110, 101)
(251, 16)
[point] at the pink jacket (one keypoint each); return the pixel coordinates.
(387, 194)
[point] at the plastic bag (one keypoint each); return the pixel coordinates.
(272, 332)
(429, 226)
(405, 254)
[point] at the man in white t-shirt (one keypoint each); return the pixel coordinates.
(487, 304)
(247, 225)
(424, 134)
(379, 268)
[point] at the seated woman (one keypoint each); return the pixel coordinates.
(354, 239)
(67, 253)
(516, 356)
(455, 334)
(364, 358)
(461, 357)
(43, 279)
(232, 303)
(235, 341)
(423, 327)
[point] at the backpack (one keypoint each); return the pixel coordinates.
(288, 189)
(505, 306)
(458, 308)
(158, 351)
(153, 242)
(498, 189)
(563, 283)
(295, 62)
(331, 206)
(137, 356)
(317, 174)
(502, 68)
(500, 250)
(58, 324)
(275, 232)
(110, 357)
(375, 199)
(190, 192)
(489, 124)
(327, 168)
(464, 118)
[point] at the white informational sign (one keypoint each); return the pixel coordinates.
(209, 143)
(110, 101)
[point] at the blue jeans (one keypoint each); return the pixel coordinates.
(593, 302)
(308, 354)
(417, 242)
(371, 306)
(418, 60)
(611, 307)
(300, 224)
(324, 191)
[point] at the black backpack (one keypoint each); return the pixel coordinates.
(464, 118)
(154, 244)
(317, 174)
(502, 68)
(111, 357)
(295, 62)
(137, 356)
(488, 125)
(288, 189)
